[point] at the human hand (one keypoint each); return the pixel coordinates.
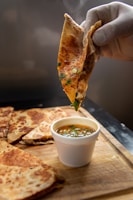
(115, 37)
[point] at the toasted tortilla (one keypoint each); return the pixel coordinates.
(76, 59)
(39, 135)
(31, 126)
(22, 175)
(5, 116)
(23, 121)
(24, 182)
(42, 134)
(13, 156)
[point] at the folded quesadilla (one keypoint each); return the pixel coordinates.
(76, 59)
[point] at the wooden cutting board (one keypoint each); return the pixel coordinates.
(108, 176)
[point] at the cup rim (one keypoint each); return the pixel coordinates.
(74, 138)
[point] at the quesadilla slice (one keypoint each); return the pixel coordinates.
(32, 125)
(76, 59)
(5, 116)
(23, 175)
(23, 121)
(14, 156)
(39, 135)
(24, 182)
(42, 134)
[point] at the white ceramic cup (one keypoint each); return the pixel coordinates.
(75, 151)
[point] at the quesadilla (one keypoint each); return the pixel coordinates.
(22, 175)
(23, 121)
(42, 134)
(30, 126)
(76, 59)
(14, 156)
(5, 116)
(39, 135)
(24, 183)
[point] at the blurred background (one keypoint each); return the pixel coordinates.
(29, 39)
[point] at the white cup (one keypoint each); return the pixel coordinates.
(75, 151)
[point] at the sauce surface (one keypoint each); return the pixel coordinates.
(75, 130)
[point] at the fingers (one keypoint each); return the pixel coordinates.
(117, 20)
(120, 27)
(104, 34)
(95, 14)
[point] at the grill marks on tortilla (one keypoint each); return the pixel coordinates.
(33, 125)
(23, 121)
(70, 57)
(23, 175)
(39, 135)
(5, 116)
(13, 156)
(89, 62)
(42, 134)
(76, 59)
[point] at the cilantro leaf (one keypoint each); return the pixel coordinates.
(75, 104)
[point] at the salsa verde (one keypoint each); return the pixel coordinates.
(75, 130)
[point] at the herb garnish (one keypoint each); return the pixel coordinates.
(75, 130)
(58, 64)
(61, 76)
(75, 104)
(68, 81)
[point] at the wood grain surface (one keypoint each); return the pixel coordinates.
(109, 175)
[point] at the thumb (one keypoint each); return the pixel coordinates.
(104, 35)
